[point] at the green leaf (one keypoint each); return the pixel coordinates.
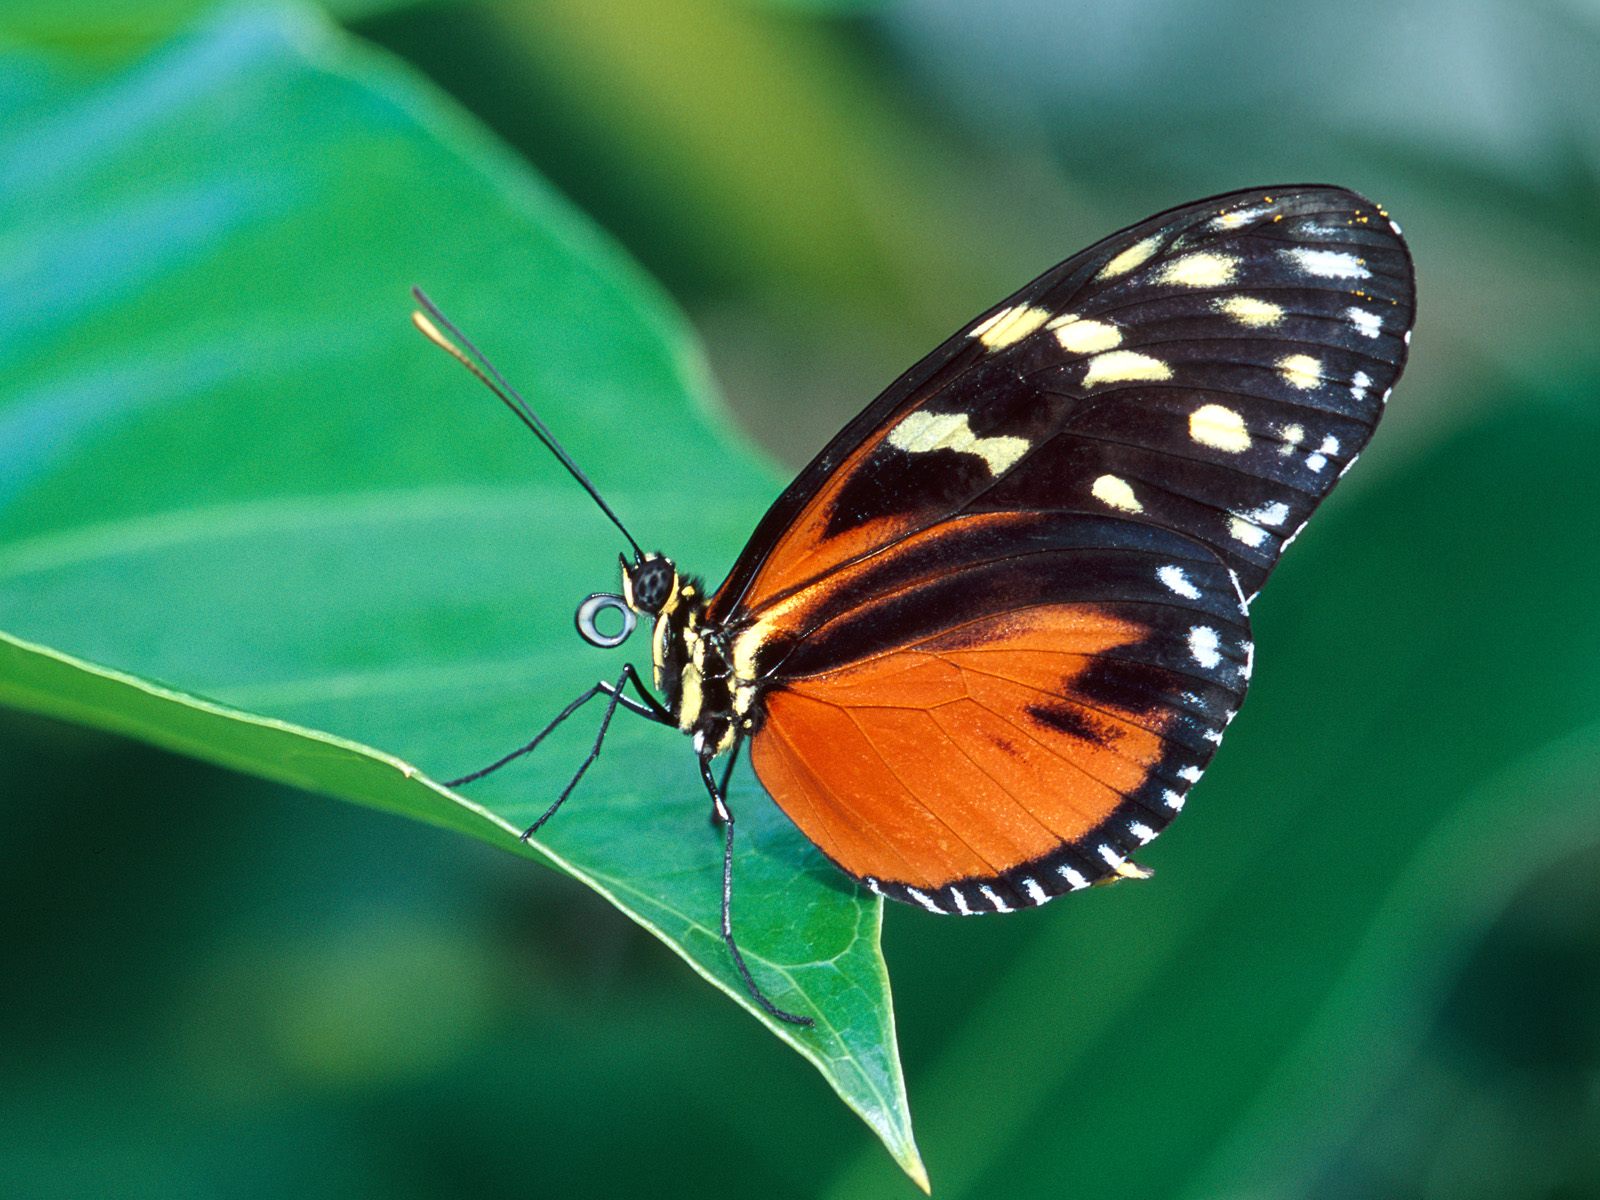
(228, 464)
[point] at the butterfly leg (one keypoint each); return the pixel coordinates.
(724, 817)
(727, 774)
(646, 706)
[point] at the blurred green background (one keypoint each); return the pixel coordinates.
(1368, 964)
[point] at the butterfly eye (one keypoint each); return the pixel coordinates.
(651, 581)
(589, 612)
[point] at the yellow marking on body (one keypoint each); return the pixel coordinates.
(1214, 425)
(1010, 325)
(1112, 490)
(1130, 258)
(743, 697)
(1248, 310)
(1079, 336)
(1300, 370)
(1200, 270)
(923, 431)
(691, 698)
(658, 652)
(742, 655)
(1132, 870)
(1123, 366)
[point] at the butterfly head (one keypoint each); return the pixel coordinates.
(649, 582)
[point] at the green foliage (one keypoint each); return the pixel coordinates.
(232, 467)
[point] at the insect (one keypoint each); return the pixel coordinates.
(985, 643)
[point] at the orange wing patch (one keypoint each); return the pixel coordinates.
(961, 757)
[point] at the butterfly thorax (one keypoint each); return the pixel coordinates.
(690, 658)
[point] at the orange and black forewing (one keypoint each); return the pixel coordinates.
(997, 627)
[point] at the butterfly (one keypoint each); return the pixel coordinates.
(988, 639)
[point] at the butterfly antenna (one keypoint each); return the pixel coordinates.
(451, 340)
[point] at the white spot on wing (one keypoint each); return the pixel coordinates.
(923, 899)
(923, 431)
(1359, 383)
(1327, 264)
(1273, 514)
(1176, 581)
(1173, 800)
(1075, 879)
(961, 901)
(1214, 425)
(1034, 892)
(1141, 831)
(1123, 366)
(989, 895)
(1112, 490)
(1205, 646)
(1292, 436)
(1367, 323)
(1191, 773)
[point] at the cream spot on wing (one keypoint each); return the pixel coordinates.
(1238, 217)
(1292, 436)
(923, 431)
(1327, 264)
(1130, 258)
(1250, 311)
(1367, 323)
(1084, 337)
(1009, 326)
(1300, 371)
(1123, 366)
(1200, 270)
(1245, 531)
(1214, 425)
(1109, 489)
